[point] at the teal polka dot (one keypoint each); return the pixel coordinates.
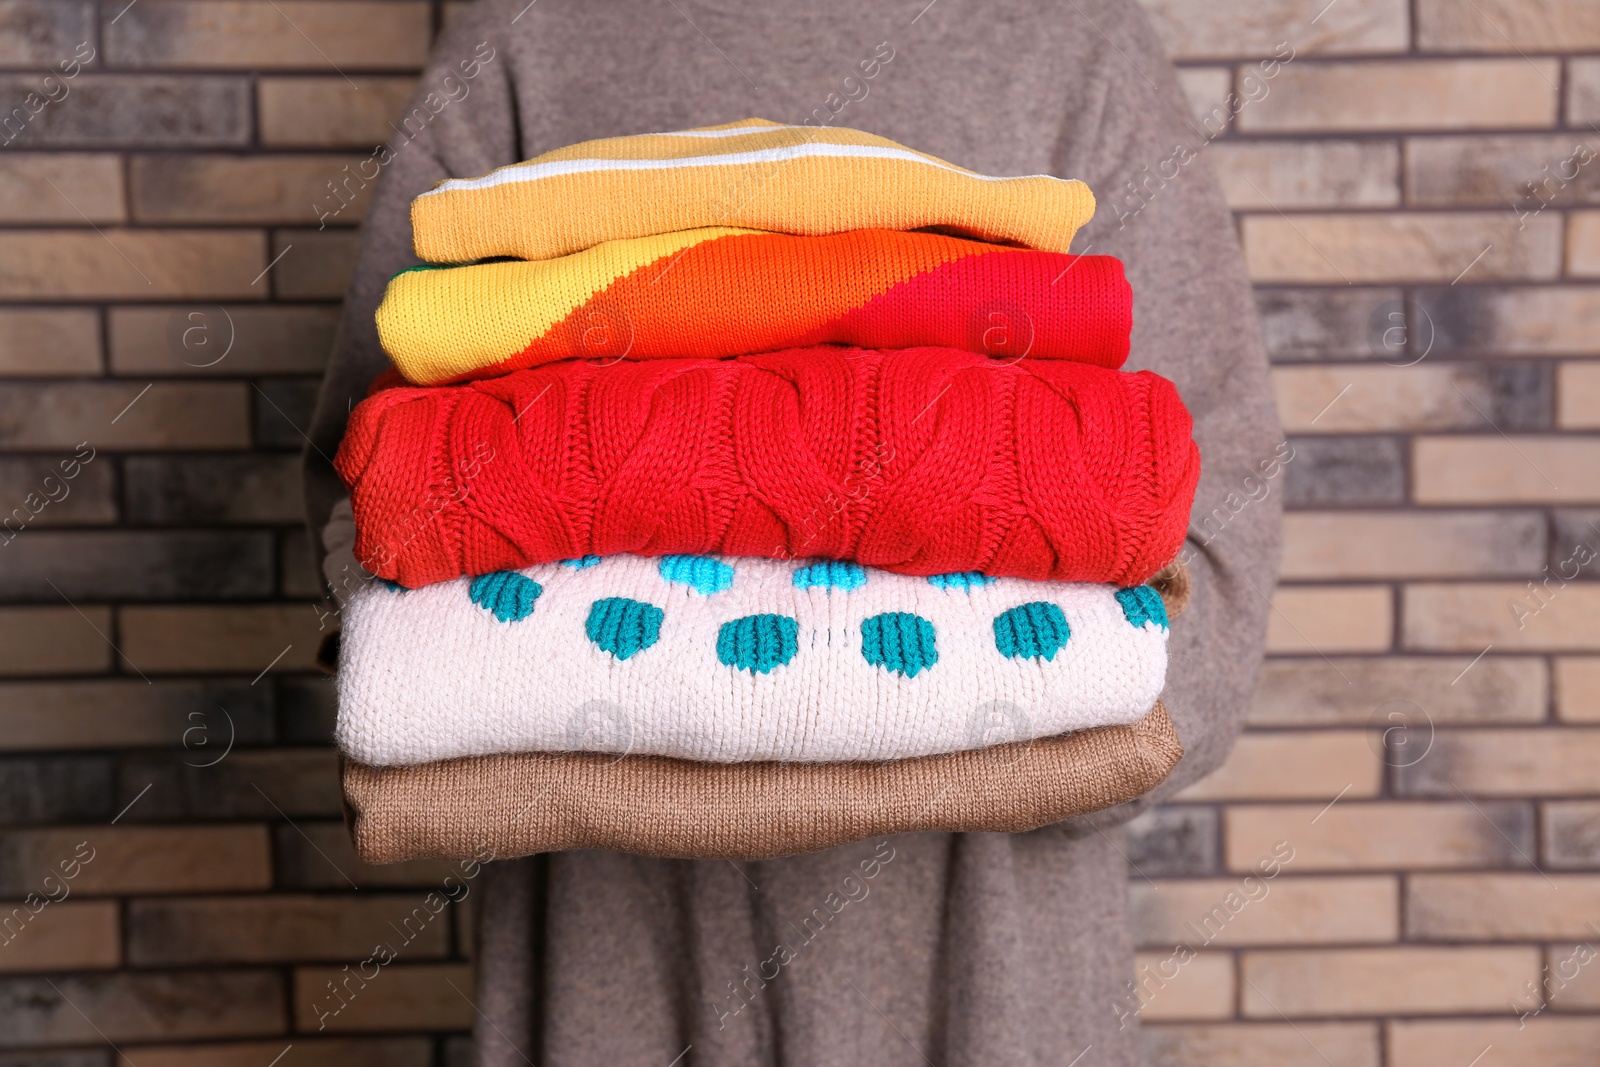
(623, 627)
(581, 562)
(960, 580)
(507, 594)
(899, 641)
(831, 574)
(1141, 604)
(702, 572)
(1033, 631)
(757, 643)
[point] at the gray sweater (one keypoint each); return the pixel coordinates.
(931, 948)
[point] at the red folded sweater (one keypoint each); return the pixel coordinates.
(920, 460)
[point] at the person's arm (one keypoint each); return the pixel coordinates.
(1195, 323)
(461, 122)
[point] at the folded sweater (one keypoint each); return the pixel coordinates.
(730, 660)
(754, 174)
(721, 292)
(518, 805)
(922, 460)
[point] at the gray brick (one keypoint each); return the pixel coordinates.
(319, 265)
(1522, 395)
(1329, 324)
(43, 33)
(36, 491)
(137, 565)
(136, 111)
(165, 415)
(140, 1007)
(458, 1051)
(221, 340)
(1532, 320)
(244, 784)
(283, 412)
(1345, 470)
(213, 490)
(1570, 528)
(132, 713)
(1169, 841)
(306, 710)
(1571, 832)
(55, 789)
(237, 189)
(1496, 171)
(318, 855)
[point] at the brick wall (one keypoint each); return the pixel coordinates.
(1402, 854)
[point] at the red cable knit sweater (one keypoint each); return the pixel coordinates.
(922, 460)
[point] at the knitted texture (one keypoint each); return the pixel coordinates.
(753, 174)
(715, 293)
(518, 805)
(923, 461)
(728, 660)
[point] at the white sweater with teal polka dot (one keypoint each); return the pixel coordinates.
(728, 660)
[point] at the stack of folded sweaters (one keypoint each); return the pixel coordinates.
(744, 491)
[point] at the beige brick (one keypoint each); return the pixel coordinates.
(1577, 688)
(54, 640)
(330, 112)
(115, 416)
(1497, 170)
(1360, 398)
(236, 638)
(1545, 1041)
(1501, 907)
(319, 265)
(402, 997)
(1298, 765)
(1451, 94)
(1411, 544)
(1205, 87)
(352, 1052)
(1583, 244)
(285, 928)
(49, 343)
(313, 34)
(128, 859)
(1413, 835)
(221, 340)
(1295, 175)
(131, 264)
(1583, 91)
(1193, 29)
(1328, 619)
(1570, 833)
(1572, 981)
(1171, 987)
(1498, 470)
(237, 189)
(1432, 247)
(1220, 913)
(38, 188)
(1466, 616)
(1508, 25)
(1547, 761)
(1383, 981)
(1578, 396)
(65, 935)
(1441, 689)
(1278, 1044)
